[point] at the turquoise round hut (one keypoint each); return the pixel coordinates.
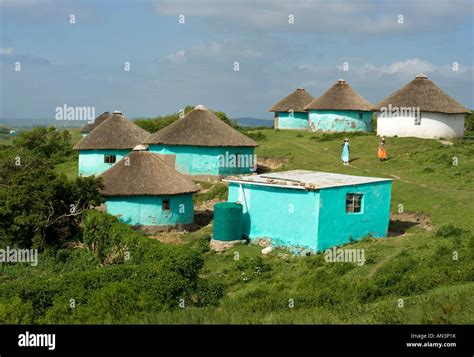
(86, 129)
(107, 144)
(205, 146)
(144, 190)
(290, 113)
(340, 109)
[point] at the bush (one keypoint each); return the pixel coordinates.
(257, 136)
(449, 230)
(209, 293)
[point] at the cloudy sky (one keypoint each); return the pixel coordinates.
(279, 45)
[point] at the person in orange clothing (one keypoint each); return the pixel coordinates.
(382, 154)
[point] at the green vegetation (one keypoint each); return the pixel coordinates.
(152, 125)
(422, 273)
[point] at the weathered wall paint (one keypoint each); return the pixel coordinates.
(312, 219)
(147, 210)
(432, 126)
(91, 162)
(200, 160)
(287, 216)
(338, 227)
(292, 121)
(339, 120)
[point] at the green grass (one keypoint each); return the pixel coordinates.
(416, 267)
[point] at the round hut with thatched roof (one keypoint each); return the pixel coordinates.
(204, 145)
(85, 130)
(144, 189)
(290, 113)
(421, 109)
(340, 109)
(107, 144)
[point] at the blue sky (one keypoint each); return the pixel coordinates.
(175, 64)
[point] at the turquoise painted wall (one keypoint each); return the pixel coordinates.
(299, 121)
(339, 120)
(147, 210)
(288, 216)
(319, 219)
(200, 160)
(336, 226)
(91, 162)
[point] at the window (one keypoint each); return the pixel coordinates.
(165, 205)
(110, 159)
(354, 203)
(360, 116)
(418, 119)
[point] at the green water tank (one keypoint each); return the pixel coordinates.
(227, 221)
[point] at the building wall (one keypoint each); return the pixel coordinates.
(199, 160)
(292, 121)
(147, 210)
(339, 120)
(287, 216)
(91, 162)
(338, 227)
(433, 126)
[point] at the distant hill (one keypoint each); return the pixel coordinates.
(249, 122)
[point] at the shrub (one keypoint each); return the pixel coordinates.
(449, 230)
(257, 136)
(209, 293)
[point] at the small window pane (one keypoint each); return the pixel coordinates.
(353, 203)
(165, 206)
(110, 159)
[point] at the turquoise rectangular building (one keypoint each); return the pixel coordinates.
(314, 210)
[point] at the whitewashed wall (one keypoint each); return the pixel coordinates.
(433, 126)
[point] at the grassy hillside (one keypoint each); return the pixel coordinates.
(410, 277)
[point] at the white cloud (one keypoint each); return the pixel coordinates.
(178, 57)
(336, 16)
(6, 51)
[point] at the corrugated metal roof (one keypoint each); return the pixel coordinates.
(304, 179)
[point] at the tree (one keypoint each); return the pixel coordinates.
(46, 142)
(38, 207)
(152, 125)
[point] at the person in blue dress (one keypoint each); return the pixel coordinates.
(345, 151)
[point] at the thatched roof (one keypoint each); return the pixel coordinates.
(115, 132)
(423, 93)
(200, 127)
(89, 127)
(143, 173)
(295, 101)
(340, 96)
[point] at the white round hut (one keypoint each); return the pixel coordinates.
(421, 109)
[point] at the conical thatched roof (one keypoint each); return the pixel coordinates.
(143, 173)
(295, 101)
(89, 127)
(200, 127)
(115, 132)
(423, 93)
(340, 96)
